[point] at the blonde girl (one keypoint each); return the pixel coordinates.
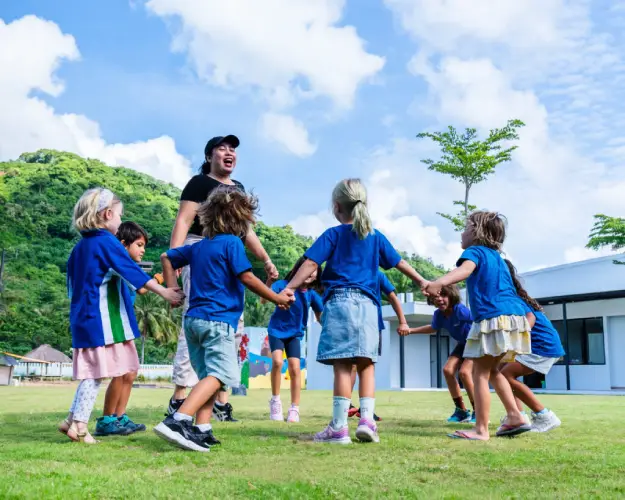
(500, 326)
(102, 319)
(353, 252)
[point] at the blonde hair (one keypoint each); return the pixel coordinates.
(228, 210)
(88, 211)
(351, 197)
(489, 228)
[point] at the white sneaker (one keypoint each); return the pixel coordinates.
(275, 410)
(293, 415)
(544, 422)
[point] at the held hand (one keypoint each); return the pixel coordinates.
(271, 270)
(432, 289)
(285, 298)
(175, 296)
(403, 329)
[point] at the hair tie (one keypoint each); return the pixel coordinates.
(105, 199)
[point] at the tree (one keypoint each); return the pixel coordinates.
(156, 320)
(607, 232)
(469, 160)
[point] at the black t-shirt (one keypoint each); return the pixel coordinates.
(197, 189)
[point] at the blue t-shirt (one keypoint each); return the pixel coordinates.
(292, 323)
(490, 287)
(133, 296)
(545, 339)
(458, 323)
(101, 310)
(386, 288)
(216, 293)
(352, 262)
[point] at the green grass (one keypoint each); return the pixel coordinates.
(261, 459)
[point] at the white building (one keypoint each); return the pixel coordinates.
(589, 294)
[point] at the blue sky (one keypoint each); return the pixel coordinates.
(145, 84)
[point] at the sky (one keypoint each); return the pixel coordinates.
(321, 90)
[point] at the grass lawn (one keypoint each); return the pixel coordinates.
(262, 459)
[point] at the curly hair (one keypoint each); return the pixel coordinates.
(228, 210)
(452, 292)
(489, 228)
(533, 303)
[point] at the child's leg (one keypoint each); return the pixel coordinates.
(295, 374)
(86, 395)
(466, 375)
(204, 414)
(366, 389)
(354, 375)
(481, 375)
(504, 391)
(200, 395)
(342, 392)
(276, 372)
(512, 371)
(113, 395)
(124, 396)
(449, 372)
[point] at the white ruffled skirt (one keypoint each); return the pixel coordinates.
(509, 335)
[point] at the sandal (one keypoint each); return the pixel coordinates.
(65, 427)
(506, 430)
(464, 435)
(82, 435)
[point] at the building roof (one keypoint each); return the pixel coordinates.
(590, 279)
(47, 353)
(414, 311)
(7, 360)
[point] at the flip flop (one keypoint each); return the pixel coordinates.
(463, 435)
(506, 430)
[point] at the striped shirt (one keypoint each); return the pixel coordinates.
(101, 309)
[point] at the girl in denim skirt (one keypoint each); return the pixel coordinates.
(353, 252)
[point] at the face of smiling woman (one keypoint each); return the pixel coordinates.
(223, 160)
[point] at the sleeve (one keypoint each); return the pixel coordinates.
(315, 302)
(278, 286)
(389, 257)
(196, 190)
(116, 258)
(321, 250)
(386, 287)
(436, 320)
(179, 257)
(240, 186)
(471, 254)
(237, 260)
(464, 313)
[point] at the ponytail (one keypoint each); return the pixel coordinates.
(351, 197)
(533, 303)
(362, 221)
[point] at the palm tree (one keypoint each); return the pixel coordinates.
(156, 320)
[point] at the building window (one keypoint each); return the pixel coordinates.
(586, 340)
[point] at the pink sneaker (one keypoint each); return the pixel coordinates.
(329, 435)
(367, 431)
(293, 415)
(275, 410)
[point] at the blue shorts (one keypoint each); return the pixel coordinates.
(212, 350)
(349, 328)
(291, 345)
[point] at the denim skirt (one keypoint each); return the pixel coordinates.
(349, 327)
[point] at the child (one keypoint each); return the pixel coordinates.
(546, 351)
(500, 326)
(386, 288)
(454, 317)
(220, 271)
(114, 420)
(102, 319)
(350, 331)
(286, 329)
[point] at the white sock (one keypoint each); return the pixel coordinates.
(367, 405)
(204, 427)
(181, 416)
(275, 398)
(293, 405)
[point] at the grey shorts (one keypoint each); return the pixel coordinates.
(349, 328)
(539, 364)
(212, 350)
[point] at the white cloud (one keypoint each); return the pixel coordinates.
(27, 123)
(291, 49)
(290, 133)
(578, 253)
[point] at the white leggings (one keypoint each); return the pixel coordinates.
(84, 399)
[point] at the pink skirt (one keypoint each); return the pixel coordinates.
(108, 361)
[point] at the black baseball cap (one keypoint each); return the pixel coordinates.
(233, 140)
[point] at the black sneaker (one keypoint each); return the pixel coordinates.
(181, 433)
(174, 406)
(207, 437)
(223, 413)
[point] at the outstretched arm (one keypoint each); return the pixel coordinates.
(303, 273)
(402, 329)
(252, 242)
(405, 268)
(282, 300)
(459, 274)
(422, 329)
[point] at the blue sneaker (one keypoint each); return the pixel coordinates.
(125, 421)
(459, 416)
(472, 421)
(110, 426)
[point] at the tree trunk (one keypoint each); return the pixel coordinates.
(466, 200)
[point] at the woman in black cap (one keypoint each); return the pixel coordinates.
(220, 161)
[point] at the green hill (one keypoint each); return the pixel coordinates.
(37, 194)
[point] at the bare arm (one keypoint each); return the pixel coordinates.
(259, 288)
(405, 268)
(452, 277)
(186, 213)
(303, 273)
(270, 281)
(169, 273)
(423, 329)
(172, 295)
(252, 242)
(402, 328)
